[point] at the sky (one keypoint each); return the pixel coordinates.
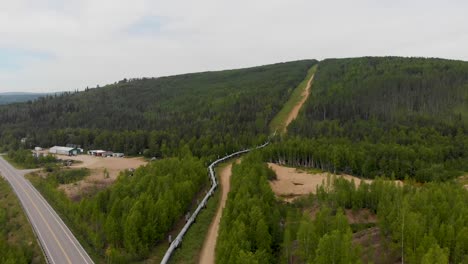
(62, 45)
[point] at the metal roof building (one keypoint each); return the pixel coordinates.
(63, 150)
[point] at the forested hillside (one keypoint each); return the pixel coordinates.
(213, 112)
(401, 117)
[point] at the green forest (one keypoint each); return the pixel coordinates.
(393, 117)
(249, 230)
(17, 241)
(384, 119)
(126, 221)
(421, 224)
(379, 118)
(213, 112)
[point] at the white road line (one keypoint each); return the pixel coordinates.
(45, 221)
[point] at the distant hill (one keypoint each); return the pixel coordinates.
(13, 97)
(210, 112)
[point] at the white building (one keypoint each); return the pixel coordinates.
(63, 151)
(99, 152)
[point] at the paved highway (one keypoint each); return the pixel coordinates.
(59, 244)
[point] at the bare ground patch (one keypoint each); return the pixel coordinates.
(292, 183)
(463, 180)
(375, 247)
(361, 216)
(104, 172)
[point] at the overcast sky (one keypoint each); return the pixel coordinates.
(58, 45)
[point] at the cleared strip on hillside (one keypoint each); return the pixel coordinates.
(291, 108)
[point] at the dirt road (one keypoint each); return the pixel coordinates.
(207, 255)
(295, 111)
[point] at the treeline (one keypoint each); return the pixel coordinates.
(124, 222)
(213, 112)
(249, 230)
(428, 156)
(17, 241)
(25, 158)
(384, 116)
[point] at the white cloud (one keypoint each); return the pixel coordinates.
(98, 41)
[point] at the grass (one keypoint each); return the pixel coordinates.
(310, 170)
(17, 165)
(279, 121)
(17, 227)
(66, 176)
(190, 250)
(193, 242)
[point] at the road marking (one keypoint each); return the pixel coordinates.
(28, 215)
(43, 219)
(57, 218)
(54, 215)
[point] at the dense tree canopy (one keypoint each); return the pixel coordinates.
(249, 228)
(125, 221)
(383, 116)
(213, 112)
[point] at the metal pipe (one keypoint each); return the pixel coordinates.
(178, 240)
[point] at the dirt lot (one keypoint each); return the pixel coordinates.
(104, 171)
(292, 183)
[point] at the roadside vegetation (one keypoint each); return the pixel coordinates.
(24, 159)
(125, 222)
(58, 176)
(17, 241)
